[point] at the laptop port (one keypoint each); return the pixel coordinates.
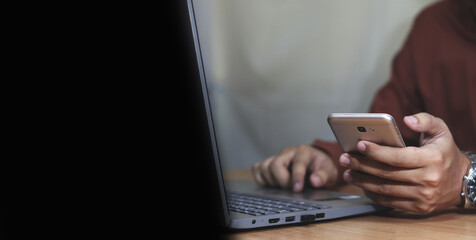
(290, 219)
(273, 220)
(308, 218)
(320, 215)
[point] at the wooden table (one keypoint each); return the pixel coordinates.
(449, 224)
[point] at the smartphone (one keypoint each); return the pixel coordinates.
(350, 128)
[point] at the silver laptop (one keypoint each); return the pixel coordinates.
(245, 205)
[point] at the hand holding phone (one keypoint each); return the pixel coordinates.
(420, 179)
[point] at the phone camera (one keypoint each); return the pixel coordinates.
(361, 129)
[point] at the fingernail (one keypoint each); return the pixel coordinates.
(412, 119)
(297, 187)
(361, 146)
(347, 177)
(316, 181)
(344, 160)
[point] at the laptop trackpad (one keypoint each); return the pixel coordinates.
(248, 186)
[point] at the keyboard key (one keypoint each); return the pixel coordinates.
(257, 205)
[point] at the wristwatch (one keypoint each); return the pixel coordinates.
(468, 192)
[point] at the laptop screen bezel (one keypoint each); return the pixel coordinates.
(204, 90)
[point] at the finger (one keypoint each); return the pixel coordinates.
(379, 169)
(409, 157)
(324, 173)
(392, 202)
(257, 174)
(321, 178)
(432, 129)
(299, 167)
(266, 172)
(425, 123)
(382, 186)
(279, 169)
(404, 204)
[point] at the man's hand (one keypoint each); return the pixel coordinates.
(290, 168)
(423, 179)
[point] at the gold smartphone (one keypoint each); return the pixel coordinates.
(350, 128)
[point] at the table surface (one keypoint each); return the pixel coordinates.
(448, 224)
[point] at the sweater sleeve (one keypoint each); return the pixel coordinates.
(399, 97)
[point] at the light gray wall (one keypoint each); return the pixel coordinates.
(277, 68)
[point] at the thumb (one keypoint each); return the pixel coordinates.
(323, 178)
(325, 174)
(432, 127)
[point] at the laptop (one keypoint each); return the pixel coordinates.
(243, 204)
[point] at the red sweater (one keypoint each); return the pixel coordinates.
(434, 72)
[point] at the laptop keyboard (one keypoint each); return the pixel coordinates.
(260, 205)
